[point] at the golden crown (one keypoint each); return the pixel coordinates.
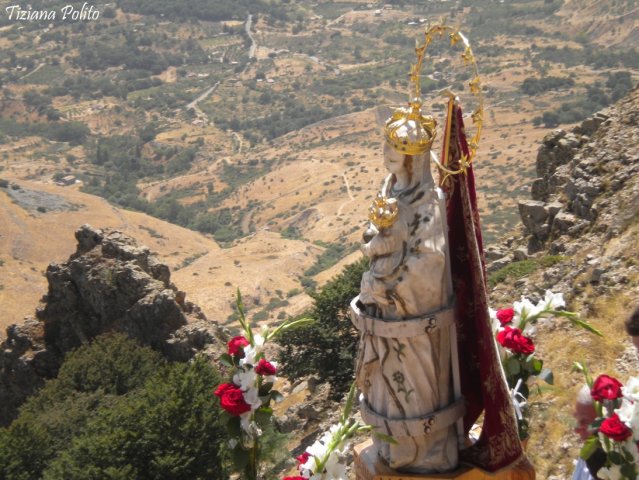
(408, 131)
(383, 212)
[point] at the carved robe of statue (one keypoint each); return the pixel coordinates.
(404, 313)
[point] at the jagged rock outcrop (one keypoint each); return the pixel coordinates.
(578, 170)
(109, 284)
(586, 194)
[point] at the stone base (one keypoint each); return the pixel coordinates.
(369, 467)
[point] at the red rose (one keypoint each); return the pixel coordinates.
(615, 429)
(265, 368)
(302, 459)
(294, 478)
(232, 399)
(606, 388)
(505, 315)
(236, 343)
(512, 339)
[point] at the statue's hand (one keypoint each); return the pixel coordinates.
(370, 232)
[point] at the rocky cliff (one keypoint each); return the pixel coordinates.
(586, 195)
(109, 284)
(579, 236)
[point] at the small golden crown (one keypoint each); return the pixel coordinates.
(383, 212)
(408, 131)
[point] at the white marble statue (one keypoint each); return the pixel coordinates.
(404, 314)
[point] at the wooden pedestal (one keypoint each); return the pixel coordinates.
(369, 467)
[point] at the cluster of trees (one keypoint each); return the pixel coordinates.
(533, 86)
(101, 55)
(292, 116)
(118, 410)
(123, 160)
(597, 57)
(73, 132)
(332, 254)
(211, 10)
(40, 103)
(82, 86)
(598, 96)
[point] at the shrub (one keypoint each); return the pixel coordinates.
(118, 410)
(327, 347)
(514, 270)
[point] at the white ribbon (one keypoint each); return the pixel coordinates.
(515, 395)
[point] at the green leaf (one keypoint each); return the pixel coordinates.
(348, 407)
(575, 320)
(263, 416)
(582, 368)
(276, 396)
(547, 376)
(289, 325)
(242, 318)
(225, 417)
(616, 458)
(385, 438)
(240, 457)
(234, 427)
(628, 455)
(590, 446)
(265, 389)
(227, 360)
(534, 365)
(628, 471)
(512, 366)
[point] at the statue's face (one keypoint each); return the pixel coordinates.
(393, 160)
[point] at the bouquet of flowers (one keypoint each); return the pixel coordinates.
(616, 428)
(514, 328)
(321, 461)
(246, 398)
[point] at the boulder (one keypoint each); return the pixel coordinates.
(563, 222)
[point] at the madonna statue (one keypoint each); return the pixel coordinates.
(405, 309)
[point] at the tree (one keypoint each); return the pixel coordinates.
(117, 410)
(550, 119)
(167, 430)
(88, 380)
(327, 347)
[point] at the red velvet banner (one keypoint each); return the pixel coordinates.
(483, 385)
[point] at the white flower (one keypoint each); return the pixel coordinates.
(245, 379)
(494, 320)
(552, 301)
(612, 473)
(317, 450)
(523, 311)
(630, 446)
(251, 396)
(310, 464)
(250, 353)
(628, 413)
(334, 469)
(631, 389)
(258, 340)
